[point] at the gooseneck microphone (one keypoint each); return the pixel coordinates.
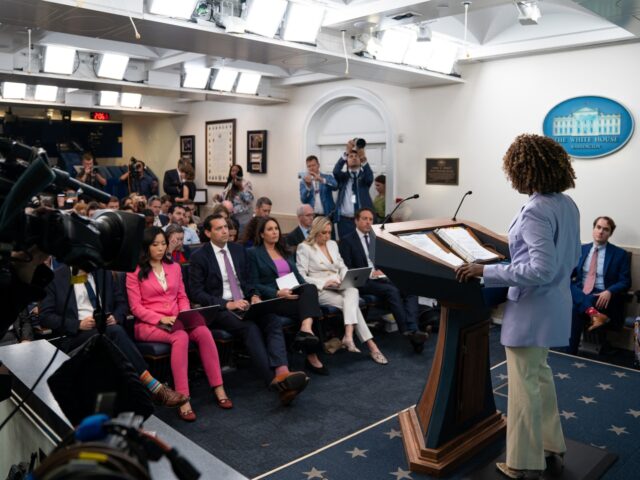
(460, 204)
(396, 208)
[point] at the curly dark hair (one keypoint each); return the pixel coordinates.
(537, 164)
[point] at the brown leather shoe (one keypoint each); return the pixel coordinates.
(289, 385)
(165, 397)
(598, 320)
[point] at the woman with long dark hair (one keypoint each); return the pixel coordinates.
(156, 296)
(269, 260)
(240, 193)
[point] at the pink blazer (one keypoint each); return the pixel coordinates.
(149, 302)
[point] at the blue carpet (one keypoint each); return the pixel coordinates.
(599, 404)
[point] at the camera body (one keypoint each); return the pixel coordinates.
(360, 143)
(136, 169)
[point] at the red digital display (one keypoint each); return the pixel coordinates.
(100, 116)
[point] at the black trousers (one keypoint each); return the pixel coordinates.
(262, 337)
(117, 335)
(305, 306)
(403, 307)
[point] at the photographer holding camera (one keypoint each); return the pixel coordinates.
(89, 173)
(139, 180)
(353, 185)
(316, 188)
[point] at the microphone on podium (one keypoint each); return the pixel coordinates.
(396, 208)
(460, 204)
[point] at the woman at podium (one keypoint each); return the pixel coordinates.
(544, 243)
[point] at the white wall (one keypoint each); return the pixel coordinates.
(477, 121)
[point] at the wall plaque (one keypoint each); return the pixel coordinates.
(442, 171)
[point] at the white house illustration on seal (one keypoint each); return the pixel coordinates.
(586, 121)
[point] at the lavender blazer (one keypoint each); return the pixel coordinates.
(544, 243)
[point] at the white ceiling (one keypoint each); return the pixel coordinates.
(166, 44)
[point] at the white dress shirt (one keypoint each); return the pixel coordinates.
(85, 309)
(226, 288)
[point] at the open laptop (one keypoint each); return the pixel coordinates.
(354, 278)
(196, 317)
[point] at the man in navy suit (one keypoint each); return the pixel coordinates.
(172, 181)
(77, 322)
(599, 283)
(159, 219)
(354, 249)
(305, 219)
(353, 187)
(219, 275)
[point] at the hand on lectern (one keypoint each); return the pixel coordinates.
(468, 271)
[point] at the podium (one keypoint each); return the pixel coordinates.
(455, 416)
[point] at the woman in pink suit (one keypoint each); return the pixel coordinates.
(156, 296)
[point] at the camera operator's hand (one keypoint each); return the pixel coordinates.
(351, 145)
(168, 321)
(87, 323)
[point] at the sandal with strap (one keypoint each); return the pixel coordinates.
(188, 416)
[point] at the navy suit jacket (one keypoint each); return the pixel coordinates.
(264, 272)
(295, 237)
(51, 308)
(205, 278)
(171, 183)
(617, 270)
(363, 181)
(352, 251)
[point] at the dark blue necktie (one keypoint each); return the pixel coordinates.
(91, 294)
(354, 189)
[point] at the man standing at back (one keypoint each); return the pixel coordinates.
(316, 188)
(219, 275)
(354, 249)
(353, 187)
(172, 181)
(599, 283)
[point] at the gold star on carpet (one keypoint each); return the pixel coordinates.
(562, 376)
(619, 374)
(635, 413)
(401, 474)
(356, 452)
(604, 386)
(393, 433)
(568, 415)
(587, 400)
(618, 430)
(314, 473)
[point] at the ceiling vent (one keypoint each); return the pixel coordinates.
(404, 17)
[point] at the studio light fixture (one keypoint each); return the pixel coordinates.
(172, 8)
(112, 65)
(264, 16)
(59, 59)
(14, 90)
(108, 98)
(46, 93)
(248, 83)
(302, 23)
(224, 80)
(438, 55)
(196, 77)
(130, 100)
(395, 43)
(528, 12)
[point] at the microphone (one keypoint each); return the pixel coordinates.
(458, 209)
(396, 208)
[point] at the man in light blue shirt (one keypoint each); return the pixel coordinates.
(177, 216)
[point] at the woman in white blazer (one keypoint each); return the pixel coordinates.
(320, 263)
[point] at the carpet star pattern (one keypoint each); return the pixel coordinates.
(587, 400)
(314, 473)
(579, 364)
(502, 376)
(619, 374)
(618, 430)
(356, 452)
(568, 415)
(635, 413)
(562, 376)
(604, 386)
(401, 474)
(393, 433)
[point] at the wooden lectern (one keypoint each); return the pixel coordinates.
(456, 415)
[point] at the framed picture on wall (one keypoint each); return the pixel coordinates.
(257, 151)
(442, 171)
(220, 150)
(188, 148)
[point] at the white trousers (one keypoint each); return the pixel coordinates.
(533, 422)
(347, 300)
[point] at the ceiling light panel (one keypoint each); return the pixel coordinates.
(196, 77)
(46, 93)
(248, 83)
(224, 80)
(395, 43)
(108, 98)
(444, 56)
(130, 100)
(264, 16)
(112, 65)
(59, 59)
(14, 90)
(303, 23)
(172, 8)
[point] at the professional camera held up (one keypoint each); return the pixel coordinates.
(110, 241)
